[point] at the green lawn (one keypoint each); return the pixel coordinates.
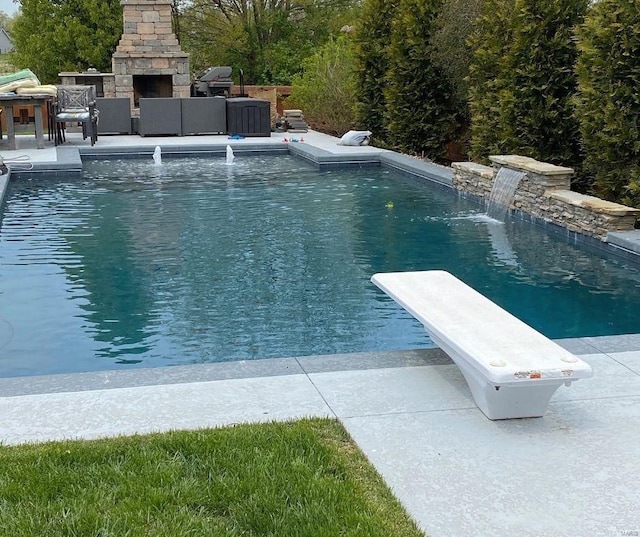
(303, 478)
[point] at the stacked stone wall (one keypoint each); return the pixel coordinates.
(149, 47)
(545, 194)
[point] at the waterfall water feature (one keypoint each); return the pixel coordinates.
(157, 156)
(503, 191)
(230, 156)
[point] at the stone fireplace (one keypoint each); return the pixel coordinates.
(148, 61)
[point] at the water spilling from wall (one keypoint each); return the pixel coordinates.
(504, 188)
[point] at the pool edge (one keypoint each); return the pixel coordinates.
(273, 367)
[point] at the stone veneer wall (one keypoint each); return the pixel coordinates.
(148, 46)
(545, 193)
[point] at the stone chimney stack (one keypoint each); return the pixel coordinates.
(148, 61)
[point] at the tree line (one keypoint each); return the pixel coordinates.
(266, 39)
(556, 80)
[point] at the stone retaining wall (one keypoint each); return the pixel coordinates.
(544, 192)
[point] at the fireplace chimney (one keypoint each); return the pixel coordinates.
(148, 61)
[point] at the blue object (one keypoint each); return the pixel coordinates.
(236, 137)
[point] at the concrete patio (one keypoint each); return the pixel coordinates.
(575, 472)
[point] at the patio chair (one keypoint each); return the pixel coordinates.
(76, 104)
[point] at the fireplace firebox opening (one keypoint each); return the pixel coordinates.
(151, 86)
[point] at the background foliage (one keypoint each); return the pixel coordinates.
(326, 90)
(267, 39)
(51, 36)
(420, 112)
(5, 21)
(522, 81)
(608, 103)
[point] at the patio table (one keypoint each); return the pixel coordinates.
(8, 101)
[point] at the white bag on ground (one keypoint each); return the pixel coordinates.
(355, 138)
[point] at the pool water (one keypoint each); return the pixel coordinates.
(195, 261)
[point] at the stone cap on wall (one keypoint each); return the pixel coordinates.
(87, 74)
(471, 167)
(593, 204)
(529, 164)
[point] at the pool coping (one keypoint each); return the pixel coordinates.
(272, 367)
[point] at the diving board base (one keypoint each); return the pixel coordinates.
(524, 399)
(509, 401)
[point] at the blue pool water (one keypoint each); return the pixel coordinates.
(195, 261)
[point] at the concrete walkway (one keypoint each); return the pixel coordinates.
(573, 473)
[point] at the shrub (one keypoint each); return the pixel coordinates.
(487, 83)
(420, 112)
(326, 90)
(372, 36)
(608, 102)
(522, 80)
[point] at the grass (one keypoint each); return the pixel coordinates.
(303, 478)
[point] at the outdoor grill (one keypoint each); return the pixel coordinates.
(213, 82)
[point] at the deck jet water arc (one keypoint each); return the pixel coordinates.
(157, 156)
(230, 156)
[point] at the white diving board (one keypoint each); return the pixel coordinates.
(512, 370)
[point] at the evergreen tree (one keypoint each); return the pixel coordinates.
(543, 56)
(522, 80)
(608, 103)
(373, 33)
(420, 111)
(488, 85)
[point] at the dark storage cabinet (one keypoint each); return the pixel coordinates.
(160, 116)
(204, 115)
(248, 117)
(115, 115)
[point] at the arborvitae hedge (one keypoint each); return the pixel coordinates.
(489, 85)
(456, 22)
(523, 83)
(420, 114)
(373, 33)
(608, 103)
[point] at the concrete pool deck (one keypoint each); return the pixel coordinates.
(575, 472)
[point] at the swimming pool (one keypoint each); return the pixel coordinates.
(194, 261)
